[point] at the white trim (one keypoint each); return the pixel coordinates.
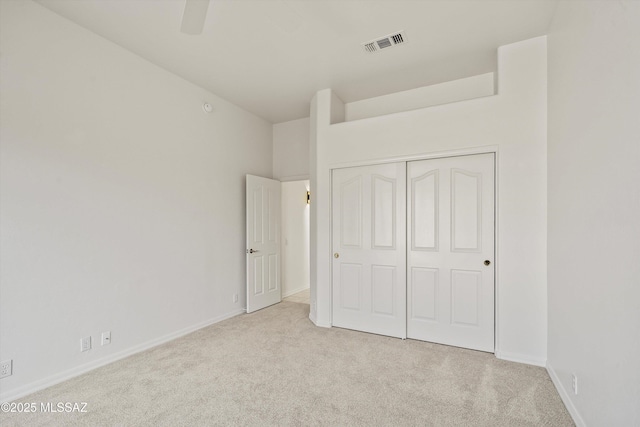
(496, 252)
(521, 358)
(564, 395)
(485, 149)
(295, 291)
(330, 248)
(313, 319)
(84, 368)
(293, 178)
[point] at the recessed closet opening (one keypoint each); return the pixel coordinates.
(414, 250)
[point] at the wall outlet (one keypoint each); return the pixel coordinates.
(574, 383)
(235, 297)
(85, 344)
(106, 338)
(6, 368)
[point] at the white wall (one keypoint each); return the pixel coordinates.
(122, 201)
(594, 209)
(295, 237)
(427, 96)
(291, 150)
(514, 123)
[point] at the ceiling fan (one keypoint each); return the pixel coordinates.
(194, 15)
(280, 13)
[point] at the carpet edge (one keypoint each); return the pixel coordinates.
(103, 361)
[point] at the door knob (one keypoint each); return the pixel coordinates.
(251, 251)
(336, 255)
(487, 262)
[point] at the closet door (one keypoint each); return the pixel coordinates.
(450, 251)
(369, 249)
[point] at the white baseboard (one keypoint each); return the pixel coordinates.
(79, 370)
(320, 324)
(295, 291)
(521, 358)
(565, 396)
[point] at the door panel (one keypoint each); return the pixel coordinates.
(351, 285)
(424, 289)
(273, 273)
(351, 213)
(258, 285)
(465, 304)
(450, 207)
(383, 213)
(383, 289)
(369, 237)
(466, 210)
(263, 242)
(424, 218)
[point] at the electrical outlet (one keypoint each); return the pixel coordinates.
(235, 297)
(574, 383)
(6, 368)
(85, 344)
(106, 338)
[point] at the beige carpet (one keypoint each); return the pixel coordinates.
(273, 367)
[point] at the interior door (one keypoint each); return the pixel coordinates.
(263, 242)
(450, 269)
(369, 245)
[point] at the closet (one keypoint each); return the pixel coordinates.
(413, 249)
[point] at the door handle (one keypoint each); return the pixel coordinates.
(250, 251)
(336, 255)
(487, 262)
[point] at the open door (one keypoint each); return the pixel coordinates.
(263, 243)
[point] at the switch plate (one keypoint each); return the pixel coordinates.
(6, 368)
(85, 344)
(106, 338)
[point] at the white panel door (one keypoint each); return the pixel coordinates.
(263, 243)
(450, 251)
(369, 245)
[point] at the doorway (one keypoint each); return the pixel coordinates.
(295, 231)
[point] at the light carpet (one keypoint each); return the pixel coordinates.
(274, 367)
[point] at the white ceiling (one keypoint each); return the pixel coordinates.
(271, 56)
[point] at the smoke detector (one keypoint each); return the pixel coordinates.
(385, 42)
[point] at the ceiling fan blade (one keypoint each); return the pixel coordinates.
(195, 13)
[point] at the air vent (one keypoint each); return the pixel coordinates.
(385, 42)
(370, 47)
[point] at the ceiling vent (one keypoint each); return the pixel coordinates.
(385, 42)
